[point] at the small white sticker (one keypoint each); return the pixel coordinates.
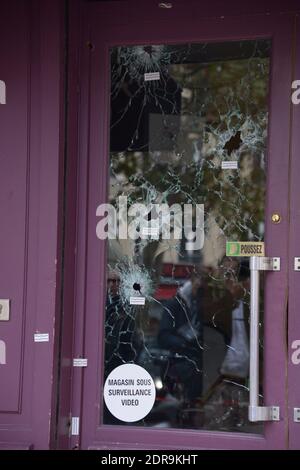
(148, 77)
(137, 301)
(129, 393)
(152, 231)
(80, 362)
(41, 337)
(230, 165)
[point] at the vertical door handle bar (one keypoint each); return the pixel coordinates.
(256, 412)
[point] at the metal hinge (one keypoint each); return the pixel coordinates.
(75, 426)
(262, 263)
(296, 415)
(264, 413)
(297, 264)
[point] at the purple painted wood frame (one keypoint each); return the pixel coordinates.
(294, 251)
(115, 24)
(30, 153)
(69, 378)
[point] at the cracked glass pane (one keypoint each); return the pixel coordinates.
(188, 127)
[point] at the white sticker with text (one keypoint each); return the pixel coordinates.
(230, 165)
(129, 393)
(149, 77)
(137, 301)
(41, 337)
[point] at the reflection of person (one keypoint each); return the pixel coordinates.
(122, 343)
(181, 332)
(218, 304)
(236, 362)
(237, 277)
(121, 338)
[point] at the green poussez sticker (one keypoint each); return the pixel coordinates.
(245, 249)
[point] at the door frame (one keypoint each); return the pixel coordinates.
(130, 28)
(294, 251)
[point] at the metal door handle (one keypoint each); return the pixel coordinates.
(256, 412)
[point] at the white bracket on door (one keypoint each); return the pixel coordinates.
(263, 413)
(75, 426)
(296, 264)
(263, 263)
(296, 415)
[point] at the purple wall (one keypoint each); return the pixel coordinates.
(30, 151)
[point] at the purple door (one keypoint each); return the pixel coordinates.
(185, 134)
(294, 292)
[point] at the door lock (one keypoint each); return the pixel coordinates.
(276, 218)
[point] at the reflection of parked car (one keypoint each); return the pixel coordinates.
(175, 280)
(172, 276)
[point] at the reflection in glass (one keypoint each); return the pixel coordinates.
(170, 135)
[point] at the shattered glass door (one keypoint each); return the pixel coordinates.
(187, 173)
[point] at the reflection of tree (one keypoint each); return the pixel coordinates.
(223, 117)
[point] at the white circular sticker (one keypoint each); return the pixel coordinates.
(129, 393)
